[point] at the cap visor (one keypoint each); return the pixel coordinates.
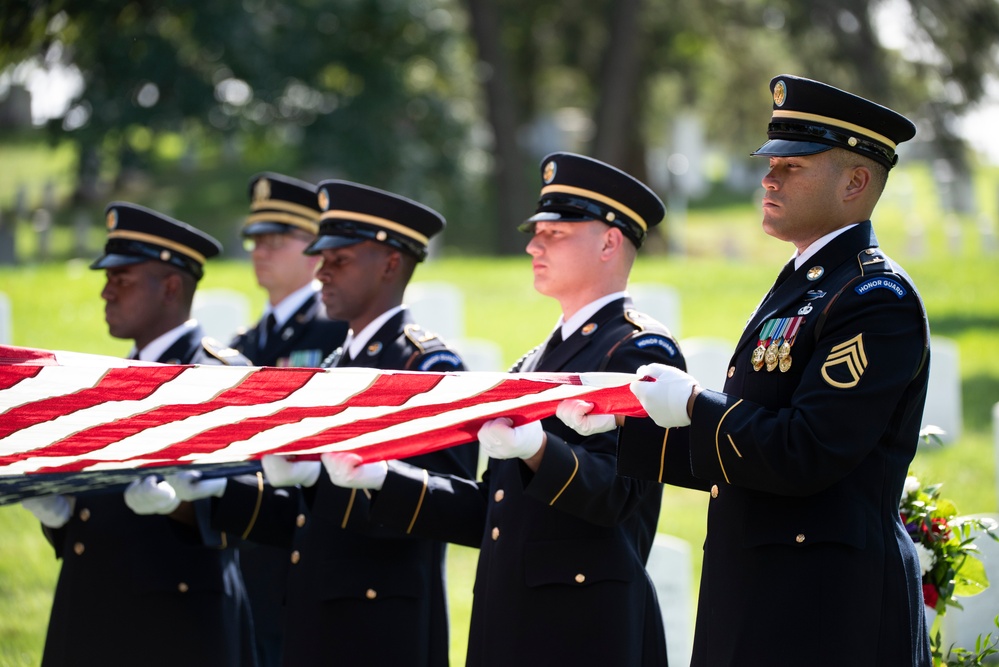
(331, 243)
(552, 216)
(788, 148)
(266, 228)
(112, 260)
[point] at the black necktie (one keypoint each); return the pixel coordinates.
(553, 342)
(784, 274)
(270, 328)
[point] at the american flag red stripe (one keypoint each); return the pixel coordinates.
(66, 413)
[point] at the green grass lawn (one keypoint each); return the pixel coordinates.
(729, 265)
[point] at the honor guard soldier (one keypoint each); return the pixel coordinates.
(293, 331)
(159, 588)
(351, 582)
(563, 539)
(808, 445)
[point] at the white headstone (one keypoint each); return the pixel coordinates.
(707, 360)
(943, 395)
(670, 569)
(962, 627)
(6, 321)
(479, 354)
(221, 312)
(659, 301)
(438, 307)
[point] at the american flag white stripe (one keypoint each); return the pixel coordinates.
(62, 413)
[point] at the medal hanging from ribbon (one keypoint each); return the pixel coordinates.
(773, 349)
(766, 334)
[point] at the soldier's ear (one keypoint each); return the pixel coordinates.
(859, 180)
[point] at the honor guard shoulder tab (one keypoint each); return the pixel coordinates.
(225, 355)
(645, 331)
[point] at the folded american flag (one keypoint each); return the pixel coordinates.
(72, 422)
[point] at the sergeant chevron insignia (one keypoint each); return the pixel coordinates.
(845, 364)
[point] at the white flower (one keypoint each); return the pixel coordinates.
(911, 485)
(926, 559)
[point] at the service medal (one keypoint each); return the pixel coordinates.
(757, 358)
(785, 364)
(771, 356)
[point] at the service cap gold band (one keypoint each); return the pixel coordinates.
(826, 120)
(310, 225)
(158, 240)
(590, 194)
(282, 205)
(338, 214)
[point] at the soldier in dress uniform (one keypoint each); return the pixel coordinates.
(293, 331)
(563, 540)
(807, 447)
(160, 588)
(357, 594)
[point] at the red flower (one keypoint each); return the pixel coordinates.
(930, 596)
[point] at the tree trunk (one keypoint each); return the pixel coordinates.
(617, 120)
(513, 201)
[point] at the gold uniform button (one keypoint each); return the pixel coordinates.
(580, 578)
(799, 538)
(714, 490)
(371, 594)
(300, 520)
(498, 496)
(182, 587)
(78, 548)
(731, 371)
(85, 514)
(495, 534)
(295, 557)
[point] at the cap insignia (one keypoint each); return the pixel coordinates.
(165, 255)
(374, 349)
(262, 190)
(549, 173)
(780, 93)
(815, 273)
(112, 219)
(588, 328)
(324, 199)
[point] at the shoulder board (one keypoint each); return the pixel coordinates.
(423, 340)
(873, 260)
(643, 322)
(226, 355)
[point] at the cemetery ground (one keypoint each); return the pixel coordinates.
(728, 263)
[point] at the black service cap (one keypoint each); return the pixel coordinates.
(810, 117)
(279, 204)
(138, 234)
(352, 213)
(577, 188)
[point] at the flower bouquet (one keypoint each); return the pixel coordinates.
(948, 557)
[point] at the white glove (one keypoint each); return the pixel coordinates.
(665, 399)
(345, 469)
(281, 471)
(575, 414)
(189, 485)
(147, 496)
(500, 440)
(52, 511)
